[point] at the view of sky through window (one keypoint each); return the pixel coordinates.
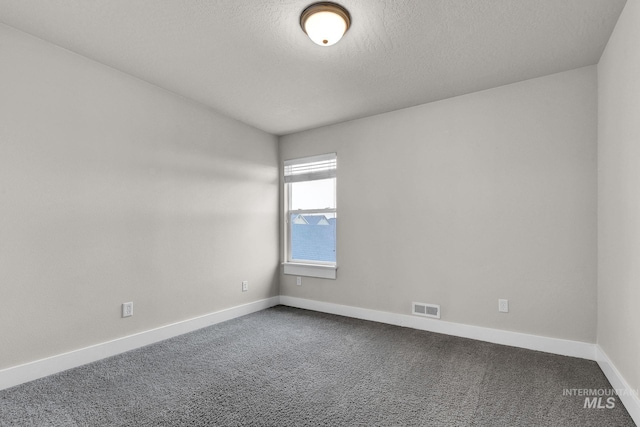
(313, 234)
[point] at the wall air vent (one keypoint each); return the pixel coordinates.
(427, 310)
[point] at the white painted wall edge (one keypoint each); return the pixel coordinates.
(627, 395)
(15, 375)
(563, 347)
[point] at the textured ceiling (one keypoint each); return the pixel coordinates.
(249, 59)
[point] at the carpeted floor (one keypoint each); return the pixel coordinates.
(291, 367)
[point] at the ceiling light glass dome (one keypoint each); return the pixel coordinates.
(325, 23)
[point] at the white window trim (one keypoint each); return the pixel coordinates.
(322, 271)
(319, 269)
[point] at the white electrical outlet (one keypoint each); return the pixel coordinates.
(127, 309)
(299, 281)
(245, 285)
(503, 305)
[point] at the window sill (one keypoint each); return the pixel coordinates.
(310, 270)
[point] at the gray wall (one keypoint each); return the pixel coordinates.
(467, 200)
(113, 190)
(619, 196)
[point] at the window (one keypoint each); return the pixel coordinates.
(310, 216)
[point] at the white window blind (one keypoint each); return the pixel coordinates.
(310, 168)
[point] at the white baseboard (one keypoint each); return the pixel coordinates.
(628, 396)
(515, 339)
(41, 368)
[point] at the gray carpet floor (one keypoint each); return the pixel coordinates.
(291, 367)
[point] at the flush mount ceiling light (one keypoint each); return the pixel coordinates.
(325, 23)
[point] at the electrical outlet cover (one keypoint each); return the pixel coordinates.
(127, 309)
(503, 306)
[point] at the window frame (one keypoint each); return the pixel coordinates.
(309, 268)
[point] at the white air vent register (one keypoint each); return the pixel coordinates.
(427, 310)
